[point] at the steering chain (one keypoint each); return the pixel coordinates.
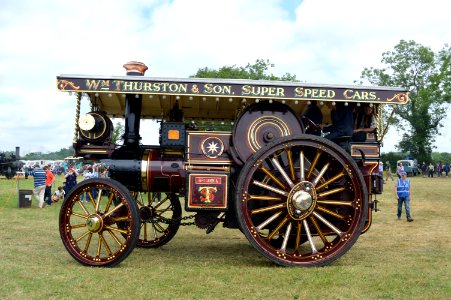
(161, 219)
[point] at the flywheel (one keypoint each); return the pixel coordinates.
(262, 123)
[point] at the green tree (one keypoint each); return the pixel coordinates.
(118, 132)
(57, 155)
(444, 157)
(426, 75)
(257, 71)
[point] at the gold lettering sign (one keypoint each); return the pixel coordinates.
(235, 89)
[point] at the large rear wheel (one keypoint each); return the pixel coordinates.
(99, 222)
(301, 201)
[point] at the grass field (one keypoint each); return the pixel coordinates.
(393, 260)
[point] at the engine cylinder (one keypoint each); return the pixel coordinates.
(152, 173)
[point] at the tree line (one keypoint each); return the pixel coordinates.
(393, 157)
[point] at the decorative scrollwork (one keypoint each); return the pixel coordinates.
(400, 97)
(62, 84)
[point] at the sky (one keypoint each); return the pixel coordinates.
(319, 41)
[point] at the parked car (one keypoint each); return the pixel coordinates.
(410, 167)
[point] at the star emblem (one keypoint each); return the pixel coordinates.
(212, 147)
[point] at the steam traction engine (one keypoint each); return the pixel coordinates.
(300, 199)
(9, 163)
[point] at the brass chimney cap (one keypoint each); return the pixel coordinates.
(135, 68)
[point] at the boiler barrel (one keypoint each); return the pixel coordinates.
(150, 174)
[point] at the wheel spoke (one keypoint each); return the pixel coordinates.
(282, 172)
(158, 228)
(320, 175)
(326, 183)
(301, 165)
(298, 237)
(88, 242)
(276, 230)
(161, 202)
(80, 215)
(99, 196)
(291, 165)
(328, 224)
(105, 244)
(336, 202)
(285, 239)
(139, 199)
(274, 178)
(114, 209)
(119, 219)
(309, 237)
(83, 207)
(110, 201)
(334, 191)
(144, 226)
(99, 246)
(90, 199)
(78, 226)
(116, 229)
(332, 213)
(313, 164)
(318, 230)
(162, 211)
(264, 198)
(153, 197)
(267, 208)
(115, 238)
(267, 221)
(83, 235)
(268, 187)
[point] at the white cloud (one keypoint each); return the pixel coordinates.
(326, 41)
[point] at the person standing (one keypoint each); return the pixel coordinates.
(424, 169)
(71, 180)
(50, 178)
(388, 168)
(403, 195)
(399, 170)
(431, 170)
(439, 169)
(39, 185)
(446, 168)
(87, 174)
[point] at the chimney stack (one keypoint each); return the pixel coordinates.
(135, 68)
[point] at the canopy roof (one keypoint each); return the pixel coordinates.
(214, 99)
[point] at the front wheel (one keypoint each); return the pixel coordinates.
(99, 222)
(301, 201)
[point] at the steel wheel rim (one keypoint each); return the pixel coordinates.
(290, 216)
(156, 234)
(103, 230)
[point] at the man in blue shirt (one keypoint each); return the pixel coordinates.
(403, 195)
(39, 185)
